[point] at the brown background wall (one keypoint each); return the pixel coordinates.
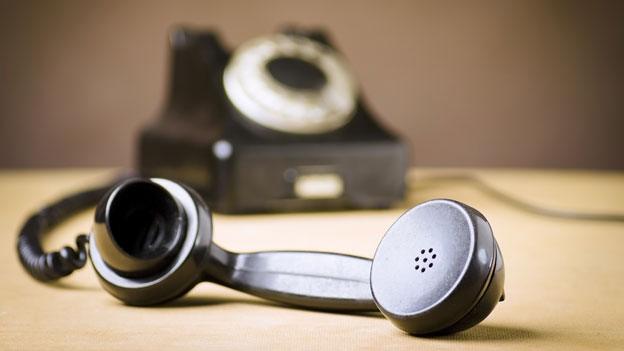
(493, 83)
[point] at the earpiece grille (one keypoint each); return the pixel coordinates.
(425, 260)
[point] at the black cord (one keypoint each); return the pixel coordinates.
(47, 266)
(524, 205)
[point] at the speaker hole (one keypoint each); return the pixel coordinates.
(422, 251)
(430, 250)
(144, 220)
(417, 267)
(422, 270)
(430, 265)
(434, 256)
(417, 258)
(425, 259)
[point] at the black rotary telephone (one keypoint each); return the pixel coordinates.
(279, 124)
(276, 125)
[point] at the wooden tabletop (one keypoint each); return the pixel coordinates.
(564, 278)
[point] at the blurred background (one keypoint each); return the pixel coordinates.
(479, 83)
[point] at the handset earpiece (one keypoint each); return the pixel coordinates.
(152, 242)
(438, 269)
